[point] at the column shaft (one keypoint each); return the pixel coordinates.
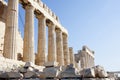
(90, 61)
(93, 61)
(28, 49)
(51, 43)
(10, 40)
(71, 55)
(59, 45)
(41, 59)
(66, 50)
(86, 57)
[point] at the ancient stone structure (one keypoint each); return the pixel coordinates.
(58, 50)
(72, 59)
(86, 57)
(10, 40)
(3, 14)
(60, 63)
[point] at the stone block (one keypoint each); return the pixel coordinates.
(29, 64)
(97, 79)
(30, 69)
(69, 72)
(88, 73)
(51, 64)
(14, 75)
(41, 75)
(30, 74)
(100, 72)
(51, 72)
(23, 70)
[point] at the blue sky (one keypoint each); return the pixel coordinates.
(95, 23)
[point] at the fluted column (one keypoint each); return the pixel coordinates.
(88, 60)
(66, 50)
(51, 43)
(71, 55)
(59, 47)
(85, 59)
(28, 48)
(10, 40)
(82, 59)
(93, 62)
(41, 59)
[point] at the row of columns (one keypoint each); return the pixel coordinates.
(57, 47)
(87, 60)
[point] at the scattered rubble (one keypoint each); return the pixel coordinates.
(30, 71)
(94, 72)
(70, 71)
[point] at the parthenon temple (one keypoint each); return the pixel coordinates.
(52, 50)
(12, 44)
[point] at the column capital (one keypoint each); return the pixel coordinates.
(40, 16)
(58, 30)
(65, 35)
(50, 23)
(29, 7)
(70, 48)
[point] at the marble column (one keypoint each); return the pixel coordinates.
(51, 43)
(88, 60)
(66, 50)
(85, 59)
(71, 55)
(10, 39)
(59, 47)
(82, 57)
(41, 59)
(93, 61)
(28, 48)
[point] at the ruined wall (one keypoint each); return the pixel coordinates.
(3, 9)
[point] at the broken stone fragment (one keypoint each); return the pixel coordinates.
(51, 72)
(70, 71)
(88, 73)
(41, 75)
(100, 72)
(14, 75)
(30, 74)
(30, 69)
(51, 64)
(29, 64)
(23, 70)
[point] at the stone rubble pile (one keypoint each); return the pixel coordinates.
(7, 65)
(29, 71)
(94, 72)
(69, 71)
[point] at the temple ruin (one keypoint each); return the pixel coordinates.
(15, 50)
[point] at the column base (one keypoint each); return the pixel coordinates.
(51, 64)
